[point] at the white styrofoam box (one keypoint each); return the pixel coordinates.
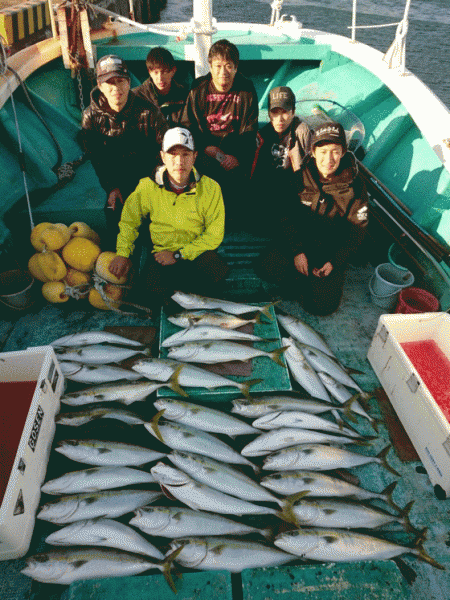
(423, 420)
(23, 490)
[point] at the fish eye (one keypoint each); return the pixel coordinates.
(277, 476)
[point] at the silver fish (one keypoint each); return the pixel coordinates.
(258, 407)
(95, 479)
(202, 417)
(218, 351)
(189, 439)
(108, 503)
(173, 522)
(103, 532)
(343, 514)
(202, 497)
(302, 371)
(216, 318)
(289, 436)
(334, 545)
(303, 420)
(123, 392)
(302, 332)
(322, 362)
(93, 337)
(97, 354)
(219, 553)
(95, 373)
(205, 333)
(193, 301)
(288, 483)
(96, 452)
(189, 376)
(318, 457)
(66, 565)
(221, 476)
(81, 417)
(342, 394)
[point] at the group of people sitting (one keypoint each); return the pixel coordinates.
(180, 167)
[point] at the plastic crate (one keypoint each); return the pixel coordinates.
(423, 420)
(31, 383)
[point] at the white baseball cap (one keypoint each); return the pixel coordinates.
(178, 136)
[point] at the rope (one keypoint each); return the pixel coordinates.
(100, 283)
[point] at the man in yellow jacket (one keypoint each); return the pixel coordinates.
(187, 219)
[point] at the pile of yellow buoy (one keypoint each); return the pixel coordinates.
(70, 263)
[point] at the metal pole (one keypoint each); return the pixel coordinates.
(52, 19)
(354, 22)
(202, 41)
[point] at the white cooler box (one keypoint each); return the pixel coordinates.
(21, 486)
(423, 420)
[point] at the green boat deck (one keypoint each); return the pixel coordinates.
(349, 332)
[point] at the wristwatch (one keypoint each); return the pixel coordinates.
(177, 255)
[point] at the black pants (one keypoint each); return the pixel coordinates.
(203, 276)
(318, 295)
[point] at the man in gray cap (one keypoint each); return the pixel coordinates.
(322, 224)
(121, 135)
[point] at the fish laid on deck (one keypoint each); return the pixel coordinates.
(319, 484)
(214, 318)
(202, 417)
(96, 479)
(203, 333)
(193, 301)
(107, 503)
(303, 420)
(264, 405)
(221, 351)
(343, 395)
(220, 553)
(302, 371)
(199, 496)
(318, 457)
(302, 332)
(94, 337)
(221, 476)
(95, 373)
(189, 439)
(174, 522)
(103, 532)
(161, 369)
(333, 545)
(98, 354)
(81, 417)
(123, 392)
(97, 452)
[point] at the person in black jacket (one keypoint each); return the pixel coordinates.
(161, 88)
(222, 113)
(322, 223)
(121, 135)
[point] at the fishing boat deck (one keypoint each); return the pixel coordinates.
(349, 332)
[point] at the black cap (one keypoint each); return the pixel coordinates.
(111, 66)
(330, 132)
(282, 97)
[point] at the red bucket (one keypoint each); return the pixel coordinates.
(415, 300)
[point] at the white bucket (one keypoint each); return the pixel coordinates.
(388, 301)
(389, 279)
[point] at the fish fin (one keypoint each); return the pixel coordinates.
(266, 309)
(166, 492)
(287, 511)
(154, 425)
(404, 514)
(275, 355)
(408, 572)
(382, 455)
(146, 351)
(174, 385)
(347, 409)
(422, 554)
(258, 317)
(266, 533)
(167, 565)
(352, 371)
(388, 491)
(246, 385)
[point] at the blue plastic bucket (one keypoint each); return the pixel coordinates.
(389, 279)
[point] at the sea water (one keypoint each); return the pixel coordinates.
(427, 42)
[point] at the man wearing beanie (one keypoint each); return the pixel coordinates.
(322, 224)
(121, 135)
